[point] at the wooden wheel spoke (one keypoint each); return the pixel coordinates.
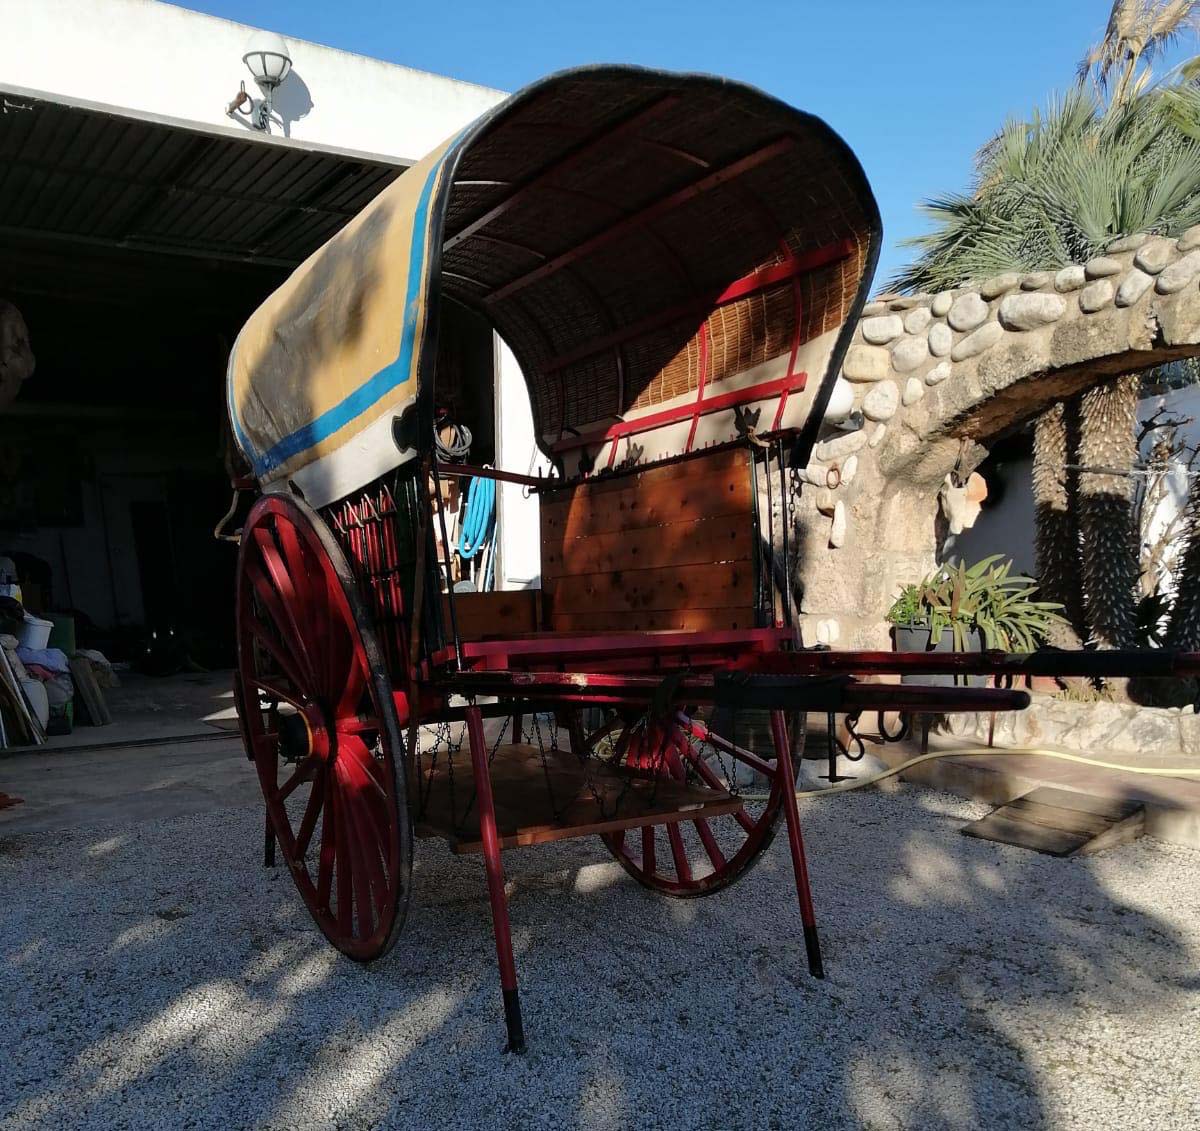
(649, 863)
(352, 693)
(297, 567)
(328, 851)
(369, 842)
(284, 622)
(294, 609)
(262, 634)
(303, 773)
(678, 853)
(715, 855)
(342, 863)
(308, 822)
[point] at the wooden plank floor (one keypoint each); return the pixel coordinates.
(1061, 822)
(576, 803)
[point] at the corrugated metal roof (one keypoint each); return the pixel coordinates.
(84, 175)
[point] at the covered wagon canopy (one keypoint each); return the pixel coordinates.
(671, 258)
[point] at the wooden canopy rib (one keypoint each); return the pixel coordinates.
(646, 215)
(633, 122)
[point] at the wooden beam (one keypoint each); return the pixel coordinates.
(611, 133)
(648, 214)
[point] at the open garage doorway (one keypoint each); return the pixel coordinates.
(133, 251)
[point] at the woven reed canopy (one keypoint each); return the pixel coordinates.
(598, 217)
(649, 245)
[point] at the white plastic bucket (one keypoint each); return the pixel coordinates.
(35, 633)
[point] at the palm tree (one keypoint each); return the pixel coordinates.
(1116, 157)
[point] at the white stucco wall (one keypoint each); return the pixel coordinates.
(147, 58)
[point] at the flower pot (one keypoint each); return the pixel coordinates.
(919, 640)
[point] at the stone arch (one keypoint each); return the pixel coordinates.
(934, 380)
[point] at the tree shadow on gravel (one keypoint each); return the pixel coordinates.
(157, 974)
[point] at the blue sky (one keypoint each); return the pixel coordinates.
(915, 87)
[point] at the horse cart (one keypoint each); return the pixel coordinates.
(677, 264)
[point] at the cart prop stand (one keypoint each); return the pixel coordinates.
(677, 263)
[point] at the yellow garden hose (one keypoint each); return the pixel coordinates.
(873, 779)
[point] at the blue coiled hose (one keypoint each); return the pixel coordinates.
(479, 520)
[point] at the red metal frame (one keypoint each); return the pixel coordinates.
(760, 392)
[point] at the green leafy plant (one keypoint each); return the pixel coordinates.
(986, 597)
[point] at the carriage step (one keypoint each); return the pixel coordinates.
(538, 803)
(1061, 822)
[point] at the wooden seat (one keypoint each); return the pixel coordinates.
(575, 801)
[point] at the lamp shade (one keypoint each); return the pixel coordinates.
(267, 57)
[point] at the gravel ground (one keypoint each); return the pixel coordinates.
(155, 976)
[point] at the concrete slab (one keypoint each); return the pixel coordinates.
(998, 776)
(71, 789)
(151, 709)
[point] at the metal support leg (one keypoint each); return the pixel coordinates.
(495, 881)
(787, 783)
(269, 844)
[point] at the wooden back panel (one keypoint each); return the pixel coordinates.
(671, 547)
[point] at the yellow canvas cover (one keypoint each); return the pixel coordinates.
(320, 370)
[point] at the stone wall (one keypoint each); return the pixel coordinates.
(930, 381)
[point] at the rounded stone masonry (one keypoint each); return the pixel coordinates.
(914, 390)
(1029, 311)
(976, 342)
(838, 447)
(916, 320)
(874, 308)
(882, 329)
(1102, 267)
(909, 354)
(849, 471)
(1036, 281)
(1070, 278)
(1154, 256)
(999, 285)
(938, 373)
(866, 363)
(881, 401)
(941, 303)
(941, 339)
(1133, 286)
(837, 528)
(1178, 274)
(967, 311)
(1095, 296)
(1189, 240)
(1127, 243)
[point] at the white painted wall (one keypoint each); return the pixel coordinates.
(146, 58)
(518, 516)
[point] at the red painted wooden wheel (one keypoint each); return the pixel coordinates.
(320, 724)
(692, 858)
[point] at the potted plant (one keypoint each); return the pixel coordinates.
(960, 608)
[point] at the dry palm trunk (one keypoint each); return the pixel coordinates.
(1183, 630)
(1183, 625)
(1107, 451)
(1057, 526)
